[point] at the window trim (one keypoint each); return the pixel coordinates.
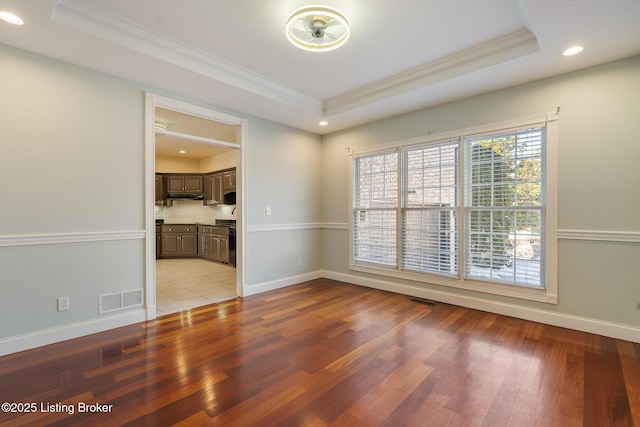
(549, 294)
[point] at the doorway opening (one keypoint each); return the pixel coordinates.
(194, 231)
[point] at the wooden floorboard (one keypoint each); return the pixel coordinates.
(326, 353)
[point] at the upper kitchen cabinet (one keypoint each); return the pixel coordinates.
(184, 184)
(212, 189)
(220, 187)
(161, 195)
(229, 180)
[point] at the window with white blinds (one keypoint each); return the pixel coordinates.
(429, 208)
(375, 209)
(504, 207)
(471, 210)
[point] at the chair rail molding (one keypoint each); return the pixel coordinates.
(600, 235)
(64, 238)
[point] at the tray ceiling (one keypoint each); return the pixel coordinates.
(402, 55)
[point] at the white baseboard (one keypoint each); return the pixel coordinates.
(66, 332)
(281, 283)
(584, 324)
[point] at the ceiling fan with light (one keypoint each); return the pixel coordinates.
(317, 28)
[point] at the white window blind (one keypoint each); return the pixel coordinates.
(375, 209)
(504, 207)
(429, 211)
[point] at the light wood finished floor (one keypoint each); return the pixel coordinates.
(184, 283)
(325, 353)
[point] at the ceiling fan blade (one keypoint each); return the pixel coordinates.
(307, 23)
(299, 25)
(330, 37)
(304, 36)
(333, 22)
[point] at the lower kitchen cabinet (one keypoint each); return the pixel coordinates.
(179, 240)
(213, 243)
(189, 240)
(224, 249)
(206, 246)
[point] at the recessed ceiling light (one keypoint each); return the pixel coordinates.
(323, 123)
(182, 152)
(317, 28)
(573, 50)
(11, 18)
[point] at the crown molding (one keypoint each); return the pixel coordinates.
(502, 49)
(89, 18)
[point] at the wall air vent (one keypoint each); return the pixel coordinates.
(119, 300)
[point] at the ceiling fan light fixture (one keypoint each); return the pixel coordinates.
(317, 28)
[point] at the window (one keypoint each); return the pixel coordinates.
(375, 209)
(474, 210)
(504, 207)
(429, 208)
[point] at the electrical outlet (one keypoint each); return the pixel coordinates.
(63, 303)
(267, 210)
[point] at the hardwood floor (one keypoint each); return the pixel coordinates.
(327, 353)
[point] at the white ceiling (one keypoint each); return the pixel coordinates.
(403, 55)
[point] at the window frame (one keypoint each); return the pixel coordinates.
(548, 294)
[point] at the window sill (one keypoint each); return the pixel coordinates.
(513, 291)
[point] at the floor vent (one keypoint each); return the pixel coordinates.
(425, 302)
(119, 300)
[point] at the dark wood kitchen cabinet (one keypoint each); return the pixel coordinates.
(179, 240)
(217, 184)
(213, 243)
(224, 249)
(229, 180)
(160, 194)
(184, 184)
(212, 189)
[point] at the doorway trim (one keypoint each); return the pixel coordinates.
(151, 102)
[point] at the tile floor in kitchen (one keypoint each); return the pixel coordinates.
(184, 283)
